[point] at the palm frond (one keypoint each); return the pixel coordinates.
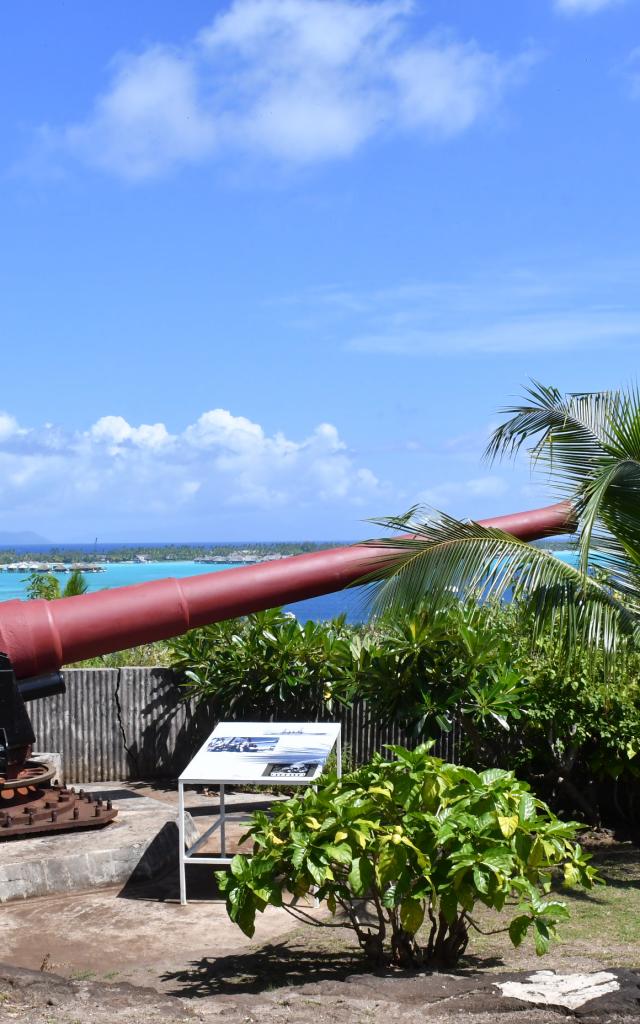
(445, 557)
(624, 424)
(568, 433)
(610, 498)
(610, 560)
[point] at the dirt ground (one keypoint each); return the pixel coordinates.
(135, 955)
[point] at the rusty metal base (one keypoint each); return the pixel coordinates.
(28, 806)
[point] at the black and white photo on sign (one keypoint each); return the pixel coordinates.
(242, 744)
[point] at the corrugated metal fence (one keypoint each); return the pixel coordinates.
(131, 723)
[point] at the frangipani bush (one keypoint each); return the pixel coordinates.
(417, 842)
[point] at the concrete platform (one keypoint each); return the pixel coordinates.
(141, 843)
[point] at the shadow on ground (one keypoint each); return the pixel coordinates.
(284, 965)
(274, 966)
(201, 886)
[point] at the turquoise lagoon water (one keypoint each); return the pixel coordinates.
(122, 574)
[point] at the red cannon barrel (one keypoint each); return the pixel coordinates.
(40, 636)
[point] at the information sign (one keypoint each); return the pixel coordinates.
(260, 753)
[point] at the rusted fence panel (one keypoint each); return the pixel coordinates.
(131, 723)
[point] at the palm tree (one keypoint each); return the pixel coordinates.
(76, 584)
(589, 444)
(47, 586)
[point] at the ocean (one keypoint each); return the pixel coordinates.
(351, 603)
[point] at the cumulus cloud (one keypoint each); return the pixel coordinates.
(584, 6)
(220, 461)
(294, 80)
(114, 431)
(150, 117)
(8, 426)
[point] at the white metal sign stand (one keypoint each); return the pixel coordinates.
(258, 753)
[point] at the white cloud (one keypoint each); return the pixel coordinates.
(8, 426)
(506, 311)
(114, 430)
(149, 120)
(294, 80)
(584, 6)
(564, 330)
(220, 461)
(446, 87)
(445, 494)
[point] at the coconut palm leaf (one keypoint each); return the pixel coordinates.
(589, 443)
(571, 432)
(76, 584)
(443, 557)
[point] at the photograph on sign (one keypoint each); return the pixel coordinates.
(242, 744)
(291, 770)
(263, 750)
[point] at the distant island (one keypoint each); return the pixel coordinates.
(24, 537)
(214, 553)
(228, 554)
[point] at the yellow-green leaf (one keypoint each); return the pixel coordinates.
(508, 825)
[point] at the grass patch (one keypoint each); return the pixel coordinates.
(604, 927)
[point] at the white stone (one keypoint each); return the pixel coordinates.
(568, 990)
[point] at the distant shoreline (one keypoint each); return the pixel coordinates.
(239, 553)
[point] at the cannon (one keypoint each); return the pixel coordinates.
(38, 637)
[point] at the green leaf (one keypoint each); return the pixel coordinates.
(492, 775)
(340, 852)
(389, 863)
(481, 879)
(449, 905)
(527, 807)
(556, 911)
(541, 936)
(318, 872)
(411, 915)
(361, 876)
(239, 866)
(571, 875)
(519, 928)
(498, 858)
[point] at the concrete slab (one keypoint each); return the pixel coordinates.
(139, 933)
(141, 843)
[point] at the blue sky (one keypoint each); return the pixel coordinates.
(270, 268)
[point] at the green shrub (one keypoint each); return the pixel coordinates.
(419, 842)
(264, 665)
(426, 668)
